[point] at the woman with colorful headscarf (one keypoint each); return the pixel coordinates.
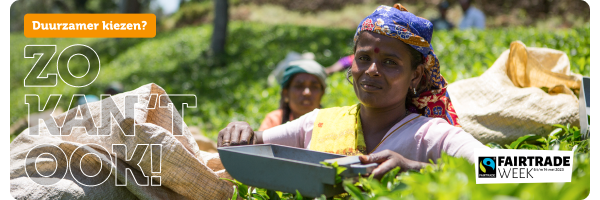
(405, 117)
(302, 87)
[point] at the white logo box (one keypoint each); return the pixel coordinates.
(532, 172)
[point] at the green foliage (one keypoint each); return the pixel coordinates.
(338, 170)
(243, 191)
(189, 14)
(388, 186)
(564, 138)
(522, 141)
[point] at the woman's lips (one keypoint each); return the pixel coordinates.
(306, 102)
(370, 86)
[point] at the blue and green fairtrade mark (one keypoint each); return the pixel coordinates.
(487, 162)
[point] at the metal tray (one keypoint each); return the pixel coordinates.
(286, 169)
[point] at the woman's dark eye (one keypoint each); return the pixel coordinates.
(390, 62)
(363, 58)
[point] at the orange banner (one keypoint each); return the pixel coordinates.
(90, 25)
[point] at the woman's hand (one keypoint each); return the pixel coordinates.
(389, 160)
(238, 133)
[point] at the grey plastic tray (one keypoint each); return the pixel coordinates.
(286, 169)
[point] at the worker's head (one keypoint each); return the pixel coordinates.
(464, 4)
(443, 8)
(303, 86)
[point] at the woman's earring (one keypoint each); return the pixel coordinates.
(286, 100)
(415, 91)
(348, 75)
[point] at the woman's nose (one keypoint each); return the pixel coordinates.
(306, 91)
(372, 70)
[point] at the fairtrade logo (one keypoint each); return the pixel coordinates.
(488, 162)
(487, 167)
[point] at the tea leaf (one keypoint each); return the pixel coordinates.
(258, 196)
(390, 176)
(322, 197)
(491, 145)
(353, 191)
(555, 131)
(235, 193)
(273, 195)
(560, 126)
(338, 171)
(517, 143)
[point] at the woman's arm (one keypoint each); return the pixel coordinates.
(455, 142)
(289, 134)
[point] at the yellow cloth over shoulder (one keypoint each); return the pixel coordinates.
(338, 130)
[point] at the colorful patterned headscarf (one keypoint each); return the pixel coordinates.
(396, 22)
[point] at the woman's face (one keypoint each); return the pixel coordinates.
(382, 71)
(304, 93)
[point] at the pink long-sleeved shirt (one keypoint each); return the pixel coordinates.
(421, 139)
